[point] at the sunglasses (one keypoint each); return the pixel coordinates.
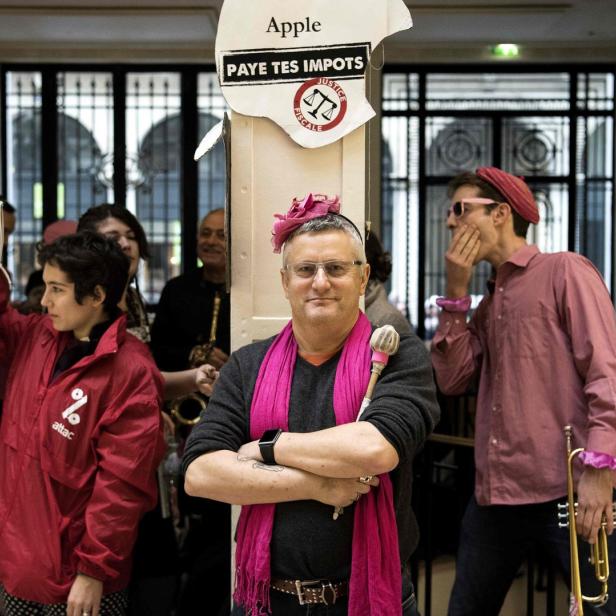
(459, 207)
(332, 269)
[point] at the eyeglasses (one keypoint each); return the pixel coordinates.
(332, 269)
(459, 207)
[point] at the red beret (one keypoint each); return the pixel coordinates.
(57, 229)
(514, 189)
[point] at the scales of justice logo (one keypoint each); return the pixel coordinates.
(320, 104)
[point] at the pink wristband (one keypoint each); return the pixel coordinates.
(598, 460)
(461, 304)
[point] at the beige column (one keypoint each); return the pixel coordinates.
(268, 169)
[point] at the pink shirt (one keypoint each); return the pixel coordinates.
(544, 347)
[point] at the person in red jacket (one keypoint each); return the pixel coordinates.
(80, 438)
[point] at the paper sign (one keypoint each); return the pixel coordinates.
(303, 63)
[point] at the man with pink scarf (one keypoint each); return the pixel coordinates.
(280, 438)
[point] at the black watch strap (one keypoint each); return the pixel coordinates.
(266, 445)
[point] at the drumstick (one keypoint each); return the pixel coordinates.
(384, 342)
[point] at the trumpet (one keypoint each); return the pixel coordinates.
(186, 410)
(599, 552)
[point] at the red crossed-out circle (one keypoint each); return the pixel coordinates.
(320, 81)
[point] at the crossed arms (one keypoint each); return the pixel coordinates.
(348, 452)
(323, 464)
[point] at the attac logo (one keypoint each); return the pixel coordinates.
(62, 430)
(70, 414)
(320, 104)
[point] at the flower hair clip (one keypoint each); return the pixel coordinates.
(300, 212)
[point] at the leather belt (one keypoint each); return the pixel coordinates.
(312, 591)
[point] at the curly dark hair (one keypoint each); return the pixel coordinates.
(90, 259)
(378, 258)
(92, 218)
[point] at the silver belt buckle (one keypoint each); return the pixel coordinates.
(327, 594)
(329, 588)
(300, 592)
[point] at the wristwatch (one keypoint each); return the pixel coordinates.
(266, 445)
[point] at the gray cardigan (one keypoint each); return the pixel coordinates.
(306, 542)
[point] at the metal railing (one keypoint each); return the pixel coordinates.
(445, 472)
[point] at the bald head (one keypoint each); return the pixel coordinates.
(211, 246)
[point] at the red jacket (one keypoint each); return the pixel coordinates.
(78, 457)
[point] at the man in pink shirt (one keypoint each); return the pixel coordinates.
(542, 344)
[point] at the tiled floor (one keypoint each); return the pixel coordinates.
(443, 570)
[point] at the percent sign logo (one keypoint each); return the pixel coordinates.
(71, 412)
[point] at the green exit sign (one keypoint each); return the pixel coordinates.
(506, 50)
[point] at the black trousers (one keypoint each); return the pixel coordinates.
(205, 560)
(494, 541)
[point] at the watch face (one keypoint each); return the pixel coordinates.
(268, 437)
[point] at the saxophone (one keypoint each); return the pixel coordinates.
(187, 409)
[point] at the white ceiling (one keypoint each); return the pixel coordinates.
(174, 30)
(577, 30)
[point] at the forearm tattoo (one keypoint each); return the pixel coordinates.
(260, 465)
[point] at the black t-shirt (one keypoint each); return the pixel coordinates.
(306, 542)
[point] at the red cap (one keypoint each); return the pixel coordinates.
(514, 189)
(57, 229)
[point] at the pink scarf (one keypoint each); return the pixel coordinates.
(375, 584)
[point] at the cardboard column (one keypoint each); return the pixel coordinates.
(268, 170)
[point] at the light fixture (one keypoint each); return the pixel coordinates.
(506, 50)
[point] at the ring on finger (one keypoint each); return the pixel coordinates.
(366, 479)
